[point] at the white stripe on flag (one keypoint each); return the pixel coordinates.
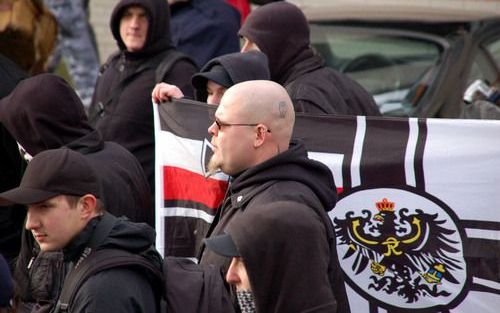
(482, 234)
(159, 221)
(186, 212)
(487, 283)
(181, 152)
(410, 153)
(357, 151)
(333, 161)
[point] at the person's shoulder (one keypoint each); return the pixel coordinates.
(114, 289)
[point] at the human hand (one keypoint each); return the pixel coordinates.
(163, 92)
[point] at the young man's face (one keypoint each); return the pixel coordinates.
(134, 28)
(214, 92)
(249, 45)
(237, 275)
(54, 223)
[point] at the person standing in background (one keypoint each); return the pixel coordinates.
(204, 29)
(76, 45)
(121, 107)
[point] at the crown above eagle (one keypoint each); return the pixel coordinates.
(385, 205)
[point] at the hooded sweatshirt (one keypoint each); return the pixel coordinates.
(239, 67)
(116, 289)
(127, 117)
(11, 167)
(283, 247)
(289, 181)
(281, 31)
(44, 112)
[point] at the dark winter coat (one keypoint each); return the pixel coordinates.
(10, 75)
(239, 67)
(12, 168)
(120, 289)
(113, 290)
(305, 188)
(281, 31)
(283, 248)
(44, 112)
(127, 117)
(204, 29)
(6, 284)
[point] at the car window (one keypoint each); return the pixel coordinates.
(494, 50)
(482, 69)
(388, 64)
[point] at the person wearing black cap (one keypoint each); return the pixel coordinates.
(218, 75)
(35, 126)
(280, 30)
(62, 193)
(275, 253)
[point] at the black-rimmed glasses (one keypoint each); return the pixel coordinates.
(220, 124)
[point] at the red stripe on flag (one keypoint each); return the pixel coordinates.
(181, 184)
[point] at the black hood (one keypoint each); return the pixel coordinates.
(44, 112)
(158, 14)
(239, 67)
(125, 235)
(283, 278)
(292, 165)
(281, 31)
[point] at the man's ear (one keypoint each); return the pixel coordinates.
(88, 205)
(260, 135)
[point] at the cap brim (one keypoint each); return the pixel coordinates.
(223, 245)
(199, 81)
(216, 74)
(23, 195)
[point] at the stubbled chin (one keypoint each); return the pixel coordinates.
(213, 165)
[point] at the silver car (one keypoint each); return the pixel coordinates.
(417, 60)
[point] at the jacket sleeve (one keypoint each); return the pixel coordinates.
(117, 290)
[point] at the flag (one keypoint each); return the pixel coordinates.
(418, 216)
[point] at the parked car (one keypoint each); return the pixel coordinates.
(417, 60)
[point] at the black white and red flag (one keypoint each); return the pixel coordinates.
(418, 216)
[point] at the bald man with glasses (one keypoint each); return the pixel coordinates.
(251, 138)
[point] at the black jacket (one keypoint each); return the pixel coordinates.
(38, 123)
(11, 166)
(281, 31)
(204, 29)
(289, 181)
(10, 75)
(119, 289)
(127, 117)
(113, 290)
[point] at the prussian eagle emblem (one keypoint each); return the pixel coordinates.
(412, 256)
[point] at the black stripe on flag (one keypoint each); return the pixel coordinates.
(327, 134)
(419, 155)
(384, 144)
(189, 204)
(183, 241)
(175, 115)
(481, 288)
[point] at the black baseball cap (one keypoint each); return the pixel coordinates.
(51, 173)
(216, 73)
(223, 245)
